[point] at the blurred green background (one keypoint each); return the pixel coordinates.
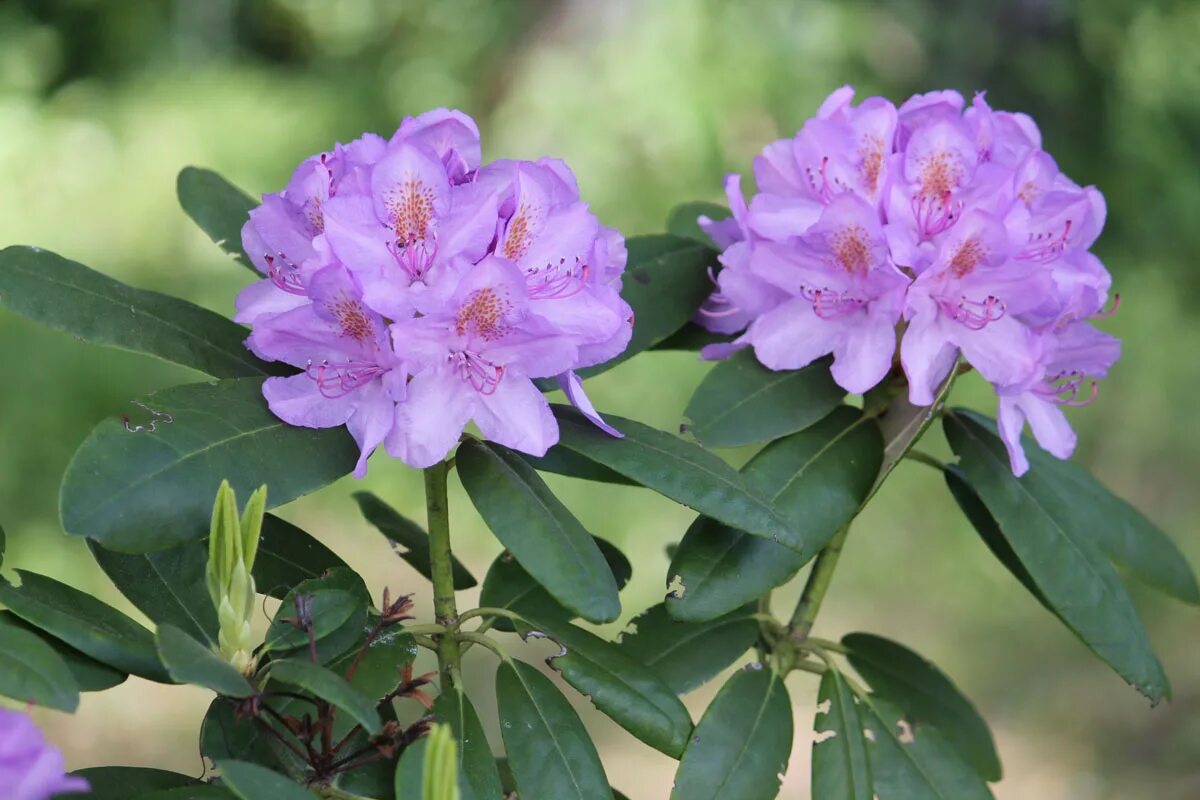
(651, 102)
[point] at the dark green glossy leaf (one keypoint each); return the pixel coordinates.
(549, 750)
(666, 280)
(1073, 574)
(200, 792)
(925, 695)
(123, 783)
(137, 492)
(741, 746)
(90, 675)
(328, 686)
(381, 668)
(561, 461)
(691, 338)
(683, 219)
(339, 610)
(409, 780)
(224, 735)
(915, 763)
(677, 469)
(508, 585)
(218, 207)
(254, 782)
(188, 661)
(31, 672)
(70, 297)
(3, 544)
(83, 622)
(620, 686)
(840, 768)
(477, 777)
(818, 477)
(168, 586)
(687, 654)
(288, 555)
(538, 530)
(409, 540)
(740, 401)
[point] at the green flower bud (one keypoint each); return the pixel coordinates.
(232, 547)
(441, 765)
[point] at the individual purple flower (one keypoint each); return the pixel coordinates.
(845, 297)
(474, 359)
(31, 768)
(351, 376)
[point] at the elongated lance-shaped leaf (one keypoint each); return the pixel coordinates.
(677, 469)
(840, 768)
(188, 661)
(288, 555)
(123, 783)
(617, 684)
(32, 672)
(1063, 560)
(136, 492)
(409, 539)
(741, 746)
(538, 529)
(67, 296)
(687, 654)
(218, 207)
(477, 775)
(330, 687)
(549, 750)
(741, 402)
(925, 695)
(255, 782)
(90, 675)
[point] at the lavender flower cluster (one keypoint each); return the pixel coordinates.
(936, 229)
(30, 768)
(419, 290)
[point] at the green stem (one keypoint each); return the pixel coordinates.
(441, 566)
(479, 638)
(926, 459)
(489, 612)
(334, 793)
(817, 585)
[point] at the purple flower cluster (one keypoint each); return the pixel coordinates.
(419, 290)
(31, 769)
(942, 227)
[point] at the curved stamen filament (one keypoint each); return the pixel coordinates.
(284, 274)
(1044, 247)
(414, 256)
(340, 378)
(483, 375)
(1112, 308)
(973, 314)
(935, 213)
(556, 281)
(829, 304)
(1064, 389)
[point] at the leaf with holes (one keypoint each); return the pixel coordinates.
(538, 529)
(410, 540)
(549, 750)
(218, 207)
(1064, 561)
(687, 654)
(136, 492)
(840, 768)
(741, 402)
(741, 746)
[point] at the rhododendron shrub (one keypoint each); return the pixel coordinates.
(411, 300)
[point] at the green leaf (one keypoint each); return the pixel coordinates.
(225, 735)
(477, 775)
(339, 610)
(903, 424)
(508, 585)
(409, 540)
(687, 654)
(409, 781)
(3, 544)
(381, 668)
(549, 750)
(136, 492)
(538, 529)
(840, 768)
(123, 783)
(914, 763)
(741, 402)
(31, 672)
(253, 782)
(562, 461)
(168, 586)
(82, 621)
(666, 280)
(188, 661)
(66, 296)
(677, 469)
(288, 555)
(200, 792)
(90, 675)
(330, 687)
(742, 744)
(218, 207)
(925, 695)
(624, 689)
(819, 478)
(691, 338)
(1065, 562)
(682, 221)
